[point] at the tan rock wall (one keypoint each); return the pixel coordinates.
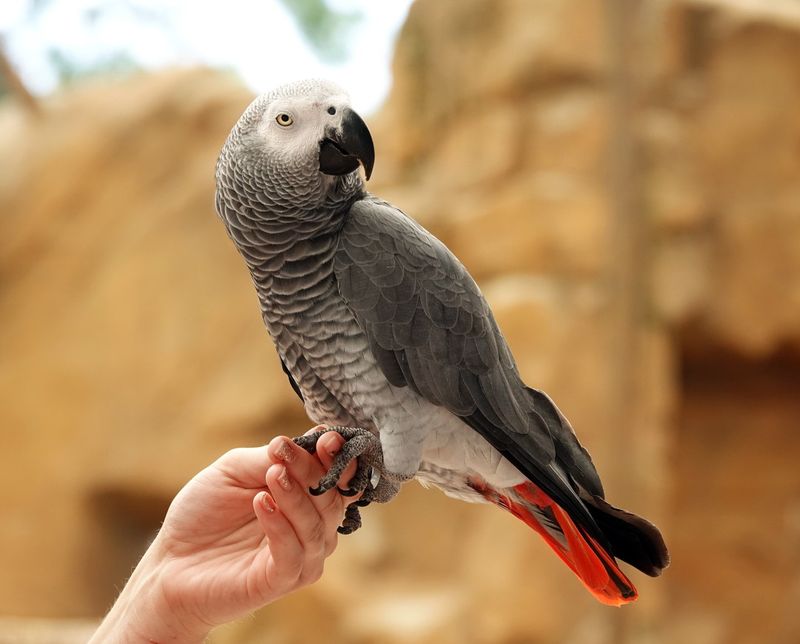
(132, 349)
(624, 186)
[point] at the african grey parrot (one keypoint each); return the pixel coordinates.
(388, 340)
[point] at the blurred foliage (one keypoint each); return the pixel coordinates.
(326, 29)
(36, 6)
(68, 70)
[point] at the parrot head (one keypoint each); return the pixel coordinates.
(302, 139)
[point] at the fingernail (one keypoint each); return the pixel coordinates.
(268, 502)
(285, 451)
(283, 479)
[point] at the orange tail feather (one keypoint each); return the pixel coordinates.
(595, 567)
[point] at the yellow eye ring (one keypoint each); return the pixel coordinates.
(284, 120)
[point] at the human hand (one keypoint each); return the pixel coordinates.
(242, 533)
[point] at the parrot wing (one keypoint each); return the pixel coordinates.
(292, 381)
(430, 328)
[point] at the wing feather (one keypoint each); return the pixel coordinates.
(430, 328)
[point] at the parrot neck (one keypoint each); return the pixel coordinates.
(274, 234)
(267, 214)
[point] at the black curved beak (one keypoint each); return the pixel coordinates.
(341, 151)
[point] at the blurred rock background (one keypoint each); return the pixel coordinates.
(622, 179)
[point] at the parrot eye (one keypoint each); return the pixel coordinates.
(284, 119)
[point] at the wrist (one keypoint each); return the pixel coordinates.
(143, 612)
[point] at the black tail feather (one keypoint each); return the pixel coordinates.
(632, 538)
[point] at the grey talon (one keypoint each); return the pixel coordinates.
(365, 447)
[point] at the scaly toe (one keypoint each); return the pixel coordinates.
(352, 520)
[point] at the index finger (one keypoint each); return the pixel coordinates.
(306, 468)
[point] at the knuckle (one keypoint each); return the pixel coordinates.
(331, 543)
(312, 572)
(332, 505)
(290, 572)
(229, 463)
(232, 455)
(316, 536)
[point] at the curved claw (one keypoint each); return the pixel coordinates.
(351, 522)
(348, 492)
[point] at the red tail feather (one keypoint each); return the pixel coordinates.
(595, 567)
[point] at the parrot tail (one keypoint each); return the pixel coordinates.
(593, 565)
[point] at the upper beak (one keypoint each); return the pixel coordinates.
(343, 149)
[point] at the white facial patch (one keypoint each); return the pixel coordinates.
(309, 118)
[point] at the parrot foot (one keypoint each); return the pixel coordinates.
(352, 515)
(365, 447)
(360, 444)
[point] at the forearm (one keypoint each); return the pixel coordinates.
(142, 613)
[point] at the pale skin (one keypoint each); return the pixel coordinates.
(241, 534)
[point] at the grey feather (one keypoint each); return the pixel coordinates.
(450, 350)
